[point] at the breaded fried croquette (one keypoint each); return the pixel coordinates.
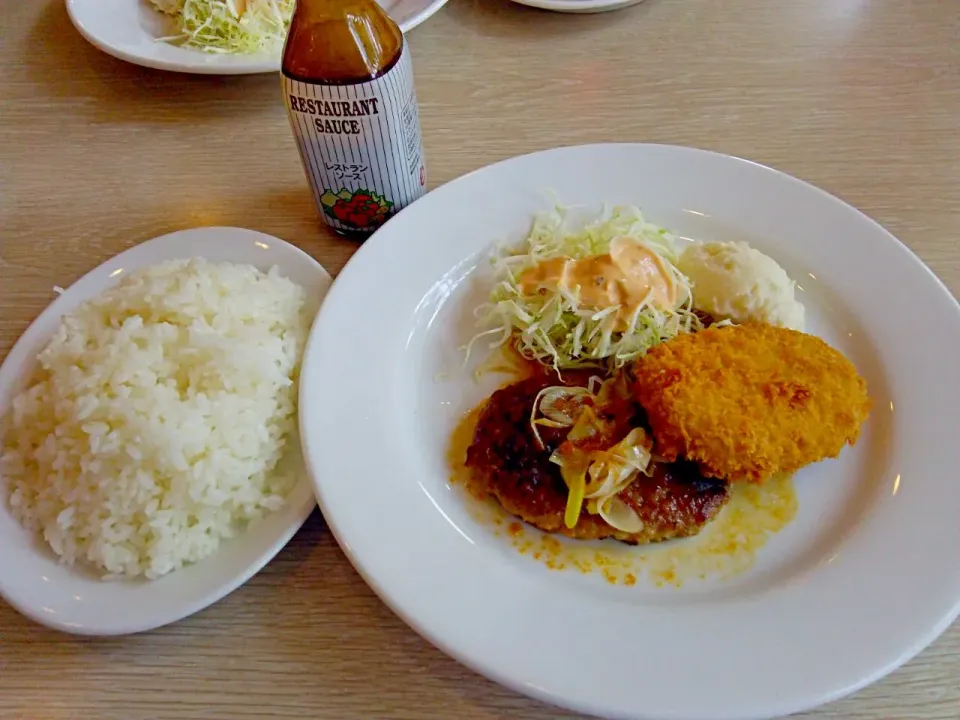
(745, 402)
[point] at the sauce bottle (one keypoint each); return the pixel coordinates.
(348, 86)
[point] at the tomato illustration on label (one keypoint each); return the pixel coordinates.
(356, 208)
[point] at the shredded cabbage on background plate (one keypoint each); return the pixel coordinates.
(229, 26)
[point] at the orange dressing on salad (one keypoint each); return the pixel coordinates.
(629, 276)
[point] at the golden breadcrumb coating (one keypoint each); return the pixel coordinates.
(748, 401)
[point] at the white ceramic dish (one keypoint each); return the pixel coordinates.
(128, 29)
(579, 6)
(69, 599)
(866, 575)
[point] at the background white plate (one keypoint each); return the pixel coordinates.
(865, 576)
(68, 599)
(128, 29)
(579, 6)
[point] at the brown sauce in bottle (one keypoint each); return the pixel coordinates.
(348, 86)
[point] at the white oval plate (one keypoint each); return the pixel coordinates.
(68, 599)
(128, 29)
(865, 576)
(579, 6)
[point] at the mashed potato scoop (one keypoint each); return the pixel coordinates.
(733, 281)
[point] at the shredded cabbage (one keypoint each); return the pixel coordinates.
(552, 327)
(232, 26)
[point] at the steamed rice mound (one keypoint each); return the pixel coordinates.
(157, 418)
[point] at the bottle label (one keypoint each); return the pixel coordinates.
(360, 145)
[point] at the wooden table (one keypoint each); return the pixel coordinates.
(860, 97)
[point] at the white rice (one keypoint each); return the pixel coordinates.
(157, 417)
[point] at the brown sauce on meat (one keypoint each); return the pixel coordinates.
(675, 501)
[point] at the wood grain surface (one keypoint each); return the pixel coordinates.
(860, 97)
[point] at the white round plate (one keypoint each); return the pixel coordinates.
(579, 6)
(69, 599)
(129, 29)
(866, 575)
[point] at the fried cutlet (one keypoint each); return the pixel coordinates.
(507, 461)
(745, 402)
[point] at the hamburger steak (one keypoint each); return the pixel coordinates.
(506, 460)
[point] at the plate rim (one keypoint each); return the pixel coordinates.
(374, 240)
(465, 655)
(579, 6)
(299, 512)
(237, 65)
